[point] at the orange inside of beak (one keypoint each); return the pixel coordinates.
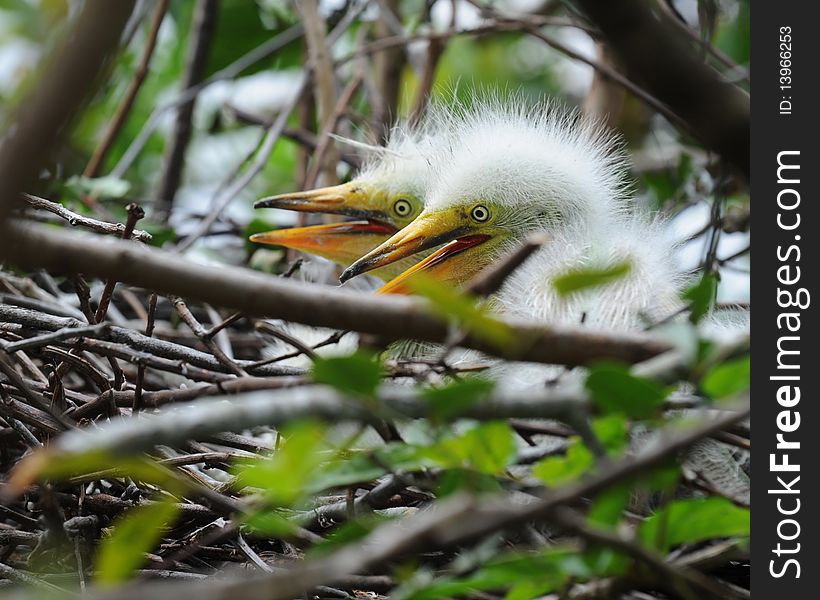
(436, 265)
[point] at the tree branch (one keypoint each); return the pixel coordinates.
(256, 294)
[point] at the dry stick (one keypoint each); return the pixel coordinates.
(75, 219)
(324, 80)
(203, 27)
(256, 294)
(325, 141)
(33, 399)
(288, 339)
(388, 66)
(96, 331)
(19, 428)
(97, 159)
(160, 354)
(490, 280)
(199, 331)
(435, 49)
(149, 331)
(135, 213)
(66, 82)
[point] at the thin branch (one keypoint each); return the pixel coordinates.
(202, 28)
(75, 219)
(659, 54)
(97, 159)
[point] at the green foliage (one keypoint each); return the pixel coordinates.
(134, 534)
(579, 460)
(694, 520)
(285, 476)
(615, 390)
(727, 379)
(576, 280)
(522, 575)
(700, 296)
(462, 308)
(357, 374)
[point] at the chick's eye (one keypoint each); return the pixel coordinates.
(480, 213)
(402, 207)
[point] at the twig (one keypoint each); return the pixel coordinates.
(652, 49)
(153, 347)
(240, 183)
(97, 331)
(199, 331)
(135, 213)
(325, 141)
(261, 52)
(97, 159)
(202, 28)
(492, 278)
(74, 219)
(324, 81)
(149, 331)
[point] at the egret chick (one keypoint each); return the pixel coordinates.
(515, 170)
(385, 196)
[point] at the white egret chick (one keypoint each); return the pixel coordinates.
(514, 170)
(386, 195)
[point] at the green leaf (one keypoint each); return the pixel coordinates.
(357, 374)
(269, 523)
(358, 469)
(451, 303)
(727, 379)
(284, 476)
(694, 520)
(608, 507)
(615, 390)
(700, 296)
(576, 280)
(559, 470)
(452, 399)
(134, 534)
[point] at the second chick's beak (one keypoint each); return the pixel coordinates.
(340, 242)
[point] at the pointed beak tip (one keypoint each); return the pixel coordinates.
(262, 203)
(348, 274)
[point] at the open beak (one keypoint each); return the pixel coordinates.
(345, 199)
(427, 231)
(441, 265)
(339, 242)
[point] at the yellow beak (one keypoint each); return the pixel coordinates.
(343, 242)
(427, 231)
(441, 265)
(350, 199)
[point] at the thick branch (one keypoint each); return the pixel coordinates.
(657, 52)
(256, 294)
(66, 82)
